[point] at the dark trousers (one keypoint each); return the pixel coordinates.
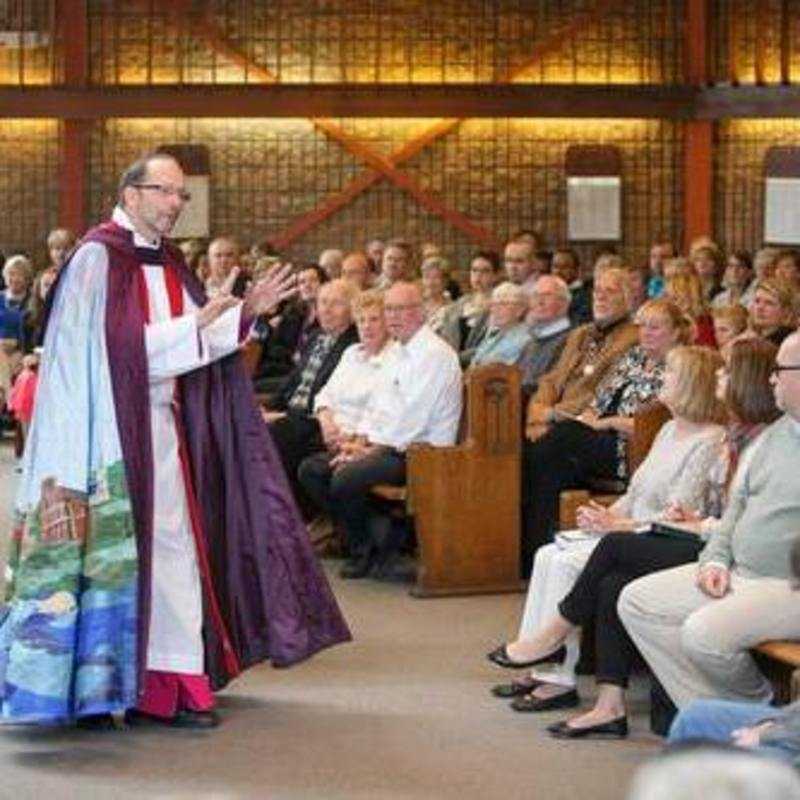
(344, 493)
(567, 456)
(618, 559)
(296, 436)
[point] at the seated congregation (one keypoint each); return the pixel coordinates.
(679, 558)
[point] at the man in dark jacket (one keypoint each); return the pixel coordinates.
(294, 429)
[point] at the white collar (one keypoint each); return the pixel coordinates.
(417, 342)
(546, 329)
(120, 216)
(375, 360)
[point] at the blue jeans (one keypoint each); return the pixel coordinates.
(716, 720)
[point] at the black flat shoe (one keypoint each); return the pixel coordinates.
(136, 718)
(356, 567)
(614, 729)
(500, 657)
(195, 720)
(530, 703)
(96, 722)
(506, 691)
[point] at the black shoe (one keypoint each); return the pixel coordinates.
(196, 720)
(357, 567)
(505, 691)
(614, 729)
(136, 718)
(500, 657)
(529, 703)
(96, 722)
(394, 569)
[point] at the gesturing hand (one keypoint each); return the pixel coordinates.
(220, 302)
(277, 285)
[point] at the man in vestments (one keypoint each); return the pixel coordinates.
(157, 551)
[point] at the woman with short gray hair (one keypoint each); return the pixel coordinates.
(14, 331)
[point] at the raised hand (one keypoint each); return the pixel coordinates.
(229, 282)
(276, 286)
(220, 302)
(214, 308)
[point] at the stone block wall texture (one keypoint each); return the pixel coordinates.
(740, 150)
(637, 41)
(504, 174)
(28, 185)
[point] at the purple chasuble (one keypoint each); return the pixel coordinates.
(275, 600)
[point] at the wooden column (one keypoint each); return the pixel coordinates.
(73, 22)
(698, 171)
(72, 176)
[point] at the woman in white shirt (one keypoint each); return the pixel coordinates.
(341, 403)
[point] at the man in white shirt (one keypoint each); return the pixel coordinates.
(417, 399)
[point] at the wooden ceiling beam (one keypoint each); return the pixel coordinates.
(368, 100)
(529, 100)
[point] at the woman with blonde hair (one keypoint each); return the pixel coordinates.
(674, 474)
(773, 310)
(679, 265)
(708, 264)
(594, 445)
(15, 331)
(59, 243)
(686, 291)
(729, 322)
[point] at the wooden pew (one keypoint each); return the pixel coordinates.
(780, 662)
(465, 499)
(251, 355)
(647, 423)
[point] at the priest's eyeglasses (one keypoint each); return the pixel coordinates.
(166, 191)
(778, 368)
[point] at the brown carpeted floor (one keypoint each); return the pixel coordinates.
(402, 712)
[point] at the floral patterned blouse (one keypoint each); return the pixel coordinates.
(631, 383)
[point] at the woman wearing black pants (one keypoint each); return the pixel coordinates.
(620, 558)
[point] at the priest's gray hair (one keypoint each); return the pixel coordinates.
(136, 173)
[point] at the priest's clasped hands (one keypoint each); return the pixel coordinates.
(262, 297)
